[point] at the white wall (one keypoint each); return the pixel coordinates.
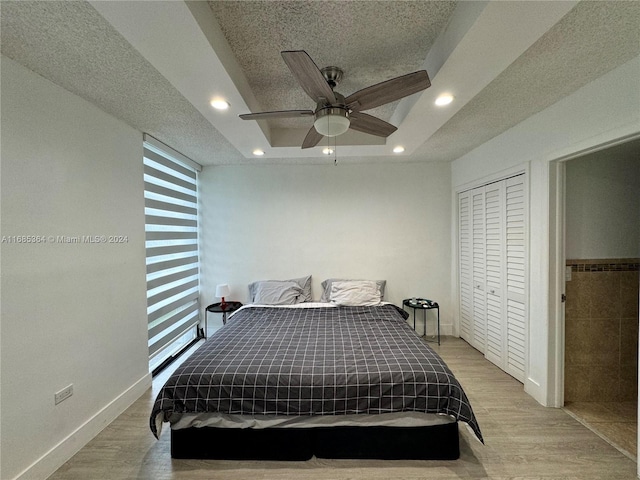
(71, 313)
(602, 111)
(603, 204)
(353, 221)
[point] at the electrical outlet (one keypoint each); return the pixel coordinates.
(63, 394)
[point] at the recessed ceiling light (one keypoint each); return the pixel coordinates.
(258, 152)
(219, 104)
(444, 99)
(398, 149)
(327, 151)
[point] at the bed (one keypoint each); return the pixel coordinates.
(291, 382)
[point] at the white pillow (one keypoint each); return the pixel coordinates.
(364, 293)
(326, 287)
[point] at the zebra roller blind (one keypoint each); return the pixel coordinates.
(171, 226)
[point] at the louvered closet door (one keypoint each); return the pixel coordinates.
(495, 273)
(478, 269)
(465, 266)
(516, 284)
(493, 279)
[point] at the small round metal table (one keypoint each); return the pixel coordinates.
(422, 304)
(227, 307)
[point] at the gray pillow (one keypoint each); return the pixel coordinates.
(326, 288)
(303, 282)
(277, 293)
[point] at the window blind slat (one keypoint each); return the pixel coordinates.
(169, 207)
(155, 315)
(156, 282)
(171, 292)
(167, 162)
(157, 220)
(152, 172)
(167, 192)
(170, 321)
(156, 251)
(178, 262)
(170, 235)
(172, 335)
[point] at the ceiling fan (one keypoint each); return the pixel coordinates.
(334, 113)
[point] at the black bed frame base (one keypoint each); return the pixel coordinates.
(438, 442)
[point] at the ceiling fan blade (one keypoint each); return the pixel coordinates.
(363, 122)
(389, 91)
(279, 114)
(308, 75)
(312, 138)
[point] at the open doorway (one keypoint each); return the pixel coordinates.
(602, 250)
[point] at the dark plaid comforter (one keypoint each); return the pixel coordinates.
(315, 361)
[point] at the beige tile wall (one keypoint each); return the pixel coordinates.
(601, 330)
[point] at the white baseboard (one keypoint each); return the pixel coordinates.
(67, 448)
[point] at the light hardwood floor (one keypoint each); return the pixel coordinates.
(523, 441)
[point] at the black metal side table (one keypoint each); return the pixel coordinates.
(227, 307)
(422, 304)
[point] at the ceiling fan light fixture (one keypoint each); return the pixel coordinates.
(332, 121)
(327, 151)
(398, 149)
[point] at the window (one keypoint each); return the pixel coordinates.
(171, 227)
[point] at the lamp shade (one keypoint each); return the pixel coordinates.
(332, 121)
(222, 290)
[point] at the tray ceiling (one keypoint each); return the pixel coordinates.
(370, 41)
(157, 65)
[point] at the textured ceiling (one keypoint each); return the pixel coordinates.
(155, 65)
(69, 43)
(592, 39)
(371, 41)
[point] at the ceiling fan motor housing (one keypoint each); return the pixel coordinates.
(332, 75)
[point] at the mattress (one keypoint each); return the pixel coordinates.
(180, 421)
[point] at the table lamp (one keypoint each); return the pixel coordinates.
(222, 291)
